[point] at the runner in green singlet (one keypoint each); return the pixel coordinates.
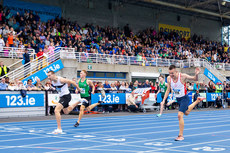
(162, 90)
(84, 84)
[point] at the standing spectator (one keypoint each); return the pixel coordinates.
(195, 96)
(107, 87)
(7, 80)
(40, 58)
(147, 85)
(122, 87)
(48, 86)
(140, 85)
(3, 85)
(117, 84)
(3, 69)
(135, 85)
(227, 100)
(5, 32)
(72, 88)
(128, 90)
(218, 87)
(191, 86)
(196, 86)
(224, 85)
(153, 88)
(2, 44)
(26, 58)
(11, 39)
(157, 87)
(113, 88)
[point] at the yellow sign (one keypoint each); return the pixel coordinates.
(181, 31)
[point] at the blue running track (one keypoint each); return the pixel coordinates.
(205, 131)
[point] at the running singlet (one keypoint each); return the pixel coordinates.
(84, 88)
(163, 88)
(179, 89)
(61, 88)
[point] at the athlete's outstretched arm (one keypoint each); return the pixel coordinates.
(63, 80)
(195, 78)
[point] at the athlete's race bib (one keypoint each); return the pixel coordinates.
(82, 91)
(177, 91)
(162, 90)
(58, 90)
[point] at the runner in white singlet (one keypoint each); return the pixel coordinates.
(61, 85)
(177, 81)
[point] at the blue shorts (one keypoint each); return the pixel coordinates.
(183, 103)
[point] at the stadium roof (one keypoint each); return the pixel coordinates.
(215, 9)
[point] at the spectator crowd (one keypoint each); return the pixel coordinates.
(25, 30)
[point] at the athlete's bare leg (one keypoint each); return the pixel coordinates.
(57, 111)
(70, 108)
(89, 108)
(190, 107)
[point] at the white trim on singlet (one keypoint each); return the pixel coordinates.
(178, 87)
(64, 90)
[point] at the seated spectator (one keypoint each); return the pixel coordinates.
(218, 102)
(20, 86)
(3, 85)
(39, 85)
(30, 86)
(11, 86)
(132, 106)
(3, 69)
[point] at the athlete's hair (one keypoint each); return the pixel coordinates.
(171, 67)
(161, 76)
(52, 72)
(85, 72)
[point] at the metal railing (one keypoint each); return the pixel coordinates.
(212, 68)
(84, 57)
(15, 53)
(36, 64)
(135, 60)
